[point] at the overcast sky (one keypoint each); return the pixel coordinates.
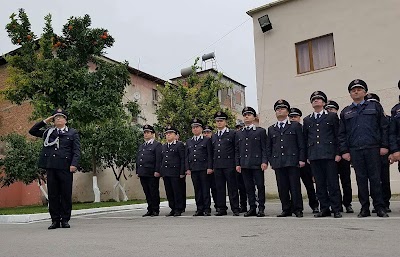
(165, 36)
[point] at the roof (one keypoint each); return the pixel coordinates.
(266, 6)
(216, 72)
(130, 69)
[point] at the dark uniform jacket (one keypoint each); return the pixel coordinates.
(61, 157)
(251, 148)
(148, 159)
(321, 136)
(394, 133)
(285, 148)
(173, 160)
(199, 154)
(364, 126)
(224, 149)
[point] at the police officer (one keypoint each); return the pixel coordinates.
(286, 153)
(172, 170)
(199, 165)
(305, 172)
(344, 170)
(59, 157)
(251, 161)
(320, 133)
(242, 189)
(363, 138)
(385, 164)
(148, 163)
(224, 165)
(208, 132)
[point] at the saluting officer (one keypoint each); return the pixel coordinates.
(208, 132)
(251, 161)
(148, 163)
(286, 154)
(305, 172)
(224, 165)
(344, 170)
(320, 133)
(242, 188)
(363, 138)
(385, 164)
(59, 157)
(199, 165)
(172, 170)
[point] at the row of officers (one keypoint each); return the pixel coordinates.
(318, 151)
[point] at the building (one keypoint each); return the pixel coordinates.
(324, 45)
(233, 97)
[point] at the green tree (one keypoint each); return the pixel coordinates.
(191, 97)
(68, 71)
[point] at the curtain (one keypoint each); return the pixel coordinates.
(323, 52)
(303, 57)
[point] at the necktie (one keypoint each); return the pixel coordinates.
(59, 131)
(318, 116)
(219, 133)
(281, 125)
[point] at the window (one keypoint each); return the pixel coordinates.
(226, 97)
(155, 95)
(315, 54)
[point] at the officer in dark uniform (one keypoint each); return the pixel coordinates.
(148, 163)
(305, 172)
(394, 134)
(59, 157)
(385, 164)
(344, 170)
(182, 181)
(242, 189)
(208, 132)
(320, 133)
(286, 154)
(199, 165)
(224, 143)
(251, 160)
(363, 138)
(172, 170)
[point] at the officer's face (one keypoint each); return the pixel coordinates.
(248, 118)
(281, 113)
(332, 110)
(357, 94)
(317, 103)
(220, 124)
(60, 121)
(147, 135)
(196, 130)
(295, 118)
(207, 134)
(170, 136)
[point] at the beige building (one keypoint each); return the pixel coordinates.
(324, 45)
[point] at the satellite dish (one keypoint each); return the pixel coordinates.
(136, 95)
(205, 57)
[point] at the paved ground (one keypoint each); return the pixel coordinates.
(126, 233)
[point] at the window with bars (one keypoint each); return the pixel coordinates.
(315, 54)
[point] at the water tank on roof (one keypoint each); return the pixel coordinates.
(186, 71)
(205, 57)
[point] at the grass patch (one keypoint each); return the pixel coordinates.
(75, 206)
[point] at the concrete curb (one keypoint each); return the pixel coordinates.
(27, 218)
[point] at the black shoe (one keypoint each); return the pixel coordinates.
(388, 210)
(54, 225)
(315, 210)
(198, 213)
(170, 214)
(299, 214)
(155, 213)
(363, 214)
(337, 215)
(349, 209)
(285, 214)
(183, 211)
(382, 213)
(221, 213)
(177, 214)
(243, 209)
(236, 213)
(322, 214)
(373, 210)
(147, 214)
(260, 214)
(207, 213)
(251, 212)
(64, 224)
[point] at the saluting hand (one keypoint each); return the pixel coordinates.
(49, 119)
